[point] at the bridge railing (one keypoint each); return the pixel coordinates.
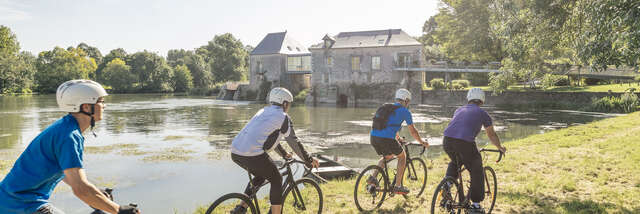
(447, 65)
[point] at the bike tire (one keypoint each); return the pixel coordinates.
(221, 205)
(491, 189)
(311, 188)
(361, 184)
(415, 177)
(452, 203)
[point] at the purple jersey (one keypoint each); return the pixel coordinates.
(467, 122)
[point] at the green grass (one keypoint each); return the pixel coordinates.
(592, 88)
(592, 168)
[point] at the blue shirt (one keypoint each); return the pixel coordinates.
(394, 124)
(40, 167)
(467, 122)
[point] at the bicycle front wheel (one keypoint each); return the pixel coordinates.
(415, 177)
(446, 198)
(303, 197)
(370, 195)
(227, 203)
(490, 189)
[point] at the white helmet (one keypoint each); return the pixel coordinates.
(403, 94)
(279, 95)
(73, 93)
(475, 94)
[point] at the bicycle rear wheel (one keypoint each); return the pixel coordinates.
(490, 189)
(304, 197)
(446, 197)
(415, 177)
(369, 196)
(228, 202)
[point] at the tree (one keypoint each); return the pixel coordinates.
(118, 75)
(153, 73)
(113, 54)
(462, 30)
(182, 80)
(608, 32)
(226, 55)
(60, 65)
(8, 42)
(16, 69)
(198, 67)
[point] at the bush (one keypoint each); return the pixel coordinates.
(626, 103)
(437, 84)
(301, 96)
(499, 82)
(550, 80)
(463, 83)
(592, 81)
(456, 86)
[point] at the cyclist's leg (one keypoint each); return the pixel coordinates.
(449, 146)
(262, 167)
(48, 209)
(381, 147)
(473, 162)
(402, 163)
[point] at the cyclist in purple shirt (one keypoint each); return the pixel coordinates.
(460, 137)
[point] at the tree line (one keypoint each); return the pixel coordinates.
(222, 59)
(534, 38)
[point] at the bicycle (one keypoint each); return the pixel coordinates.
(108, 192)
(366, 196)
(445, 202)
(298, 201)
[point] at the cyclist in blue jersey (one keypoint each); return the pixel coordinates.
(57, 154)
(459, 139)
(385, 138)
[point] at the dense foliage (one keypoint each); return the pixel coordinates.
(535, 38)
(223, 59)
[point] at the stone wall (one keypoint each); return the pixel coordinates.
(273, 66)
(515, 98)
(337, 83)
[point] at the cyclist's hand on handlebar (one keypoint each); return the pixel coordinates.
(288, 156)
(425, 143)
(128, 209)
(502, 149)
(314, 163)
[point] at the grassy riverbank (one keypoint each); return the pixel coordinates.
(593, 168)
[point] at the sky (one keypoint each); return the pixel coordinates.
(162, 25)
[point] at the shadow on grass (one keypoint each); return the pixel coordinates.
(550, 204)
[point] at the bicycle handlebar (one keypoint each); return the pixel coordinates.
(307, 170)
(493, 150)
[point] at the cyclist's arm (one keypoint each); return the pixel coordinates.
(495, 140)
(281, 151)
(296, 145)
(87, 192)
(416, 135)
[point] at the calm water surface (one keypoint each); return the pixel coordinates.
(170, 153)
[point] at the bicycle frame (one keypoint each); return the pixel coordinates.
(410, 164)
(467, 197)
(288, 181)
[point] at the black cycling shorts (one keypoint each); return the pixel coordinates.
(386, 146)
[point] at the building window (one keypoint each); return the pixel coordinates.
(355, 63)
(259, 69)
(299, 63)
(329, 61)
(375, 63)
(326, 77)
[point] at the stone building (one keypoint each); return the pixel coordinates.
(364, 68)
(279, 61)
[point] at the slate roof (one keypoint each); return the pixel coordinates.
(375, 38)
(279, 43)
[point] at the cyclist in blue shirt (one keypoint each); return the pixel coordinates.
(386, 140)
(459, 139)
(57, 154)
